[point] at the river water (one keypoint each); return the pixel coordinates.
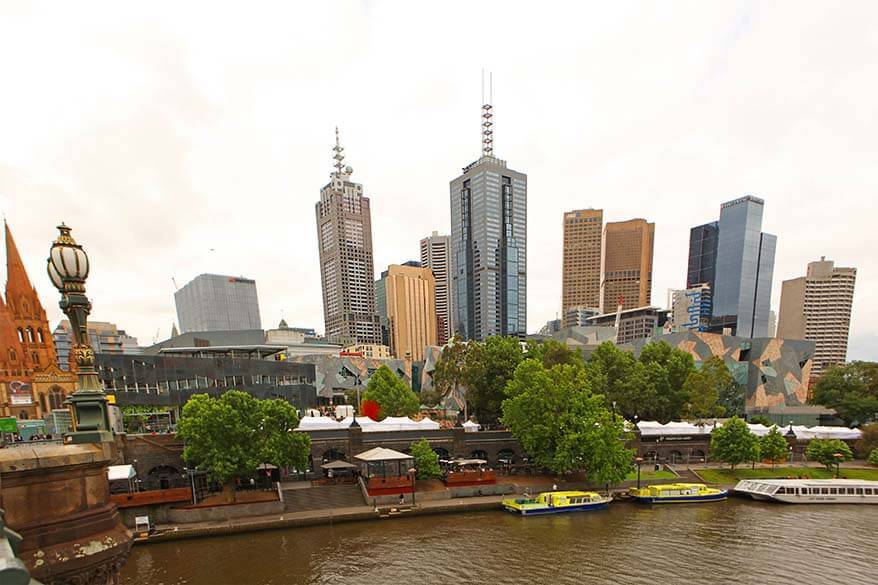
(736, 542)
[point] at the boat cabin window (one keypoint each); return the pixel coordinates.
(833, 491)
(850, 491)
(781, 490)
(824, 490)
(868, 491)
(859, 491)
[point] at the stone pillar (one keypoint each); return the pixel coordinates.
(58, 498)
(355, 442)
(458, 442)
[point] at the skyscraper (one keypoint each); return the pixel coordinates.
(214, 302)
(436, 255)
(626, 264)
(817, 307)
(105, 338)
(489, 245)
(703, 240)
(581, 269)
(347, 273)
(744, 269)
(411, 310)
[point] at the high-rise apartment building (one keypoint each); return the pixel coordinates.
(579, 316)
(703, 240)
(411, 310)
(626, 264)
(744, 269)
(436, 255)
(489, 245)
(105, 338)
(347, 273)
(215, 302)
(817, 307)
(691, 308)
(581, 269)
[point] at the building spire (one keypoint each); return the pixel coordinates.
(487, 116)
(339, 154)
(17, 281)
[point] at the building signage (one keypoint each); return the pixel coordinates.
(20, 393)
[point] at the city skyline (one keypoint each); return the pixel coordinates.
(780, 156)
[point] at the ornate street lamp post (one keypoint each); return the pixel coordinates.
(68, 268)
(639, 462)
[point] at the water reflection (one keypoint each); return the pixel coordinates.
(735, 542)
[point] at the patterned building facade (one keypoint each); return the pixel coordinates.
(31, 384)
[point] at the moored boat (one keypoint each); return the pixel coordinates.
(811, 491)
(677, 493)
(557, 502)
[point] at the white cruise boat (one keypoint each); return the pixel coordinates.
(811, 491)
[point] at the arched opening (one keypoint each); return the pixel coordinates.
(442, 452)
(35, 358)
(30, 335)
(676, 457)
(40, 337)
(506, 457)
(334, 455)
(20, 335)
(478, 454)
(22, 415)
(698, 456)
(12, 355)
(56, 398)
(164, 477)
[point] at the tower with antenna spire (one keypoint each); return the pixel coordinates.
(488, 241)
(347, 273)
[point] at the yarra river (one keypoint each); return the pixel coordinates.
(735, 542)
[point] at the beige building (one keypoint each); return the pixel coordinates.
(411, 310)
(581, 268)
(626, 264)
(436, 255)
(369, 350)
(817, 307)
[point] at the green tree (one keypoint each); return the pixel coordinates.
(231, 435)
(551, 353)
(851, 389)
(667, 368)
(611, 374)
(760, 419)
(868, 440)
(393, 396)
(873, 457)
(562, 425)
(450, 375)
(490, 366)
(824, 451)
(703, 396)
(733, 443)
(773, 446)
(426, 460)
(730, 394)
(277, 442)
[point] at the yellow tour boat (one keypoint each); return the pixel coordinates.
(557, 502)
(677, 493)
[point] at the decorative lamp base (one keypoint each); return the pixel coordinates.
(79, 437)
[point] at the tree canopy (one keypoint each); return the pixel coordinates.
(703, 396)
(873, 457)
(851, 389)
(231, 435)
(734, 443)
(393, 396)
(773, 446)
(426, 460)
(562, 425)
(824, 451)
(868, 440)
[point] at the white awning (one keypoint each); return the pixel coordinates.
(318, 423)
(381, 454)
(471, 427)
(120, 472)
(428, 425)
(395, 423)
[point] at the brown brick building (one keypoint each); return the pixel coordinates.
(626, 265)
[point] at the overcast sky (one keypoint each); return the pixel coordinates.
(181, 138)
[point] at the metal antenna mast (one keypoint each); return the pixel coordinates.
(487, 116)
(339, 153)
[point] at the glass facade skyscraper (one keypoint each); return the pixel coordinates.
(489, 250)
(744, 269)
(215, 302)
(703, 240)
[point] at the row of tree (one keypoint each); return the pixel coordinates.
(734, 443)
(662, 383)
(850, 389)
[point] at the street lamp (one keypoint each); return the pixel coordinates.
(354, 422)
(413, 472)
(639, 462)
(68, 268)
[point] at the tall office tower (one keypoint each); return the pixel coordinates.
(436, 255)
(744, 268)
(489, 245)
(411, 310)
(626, 264)
(347, 273)
(581, 270)
(702, 254)
(817, 307)
(214, 302)
(105, 338)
